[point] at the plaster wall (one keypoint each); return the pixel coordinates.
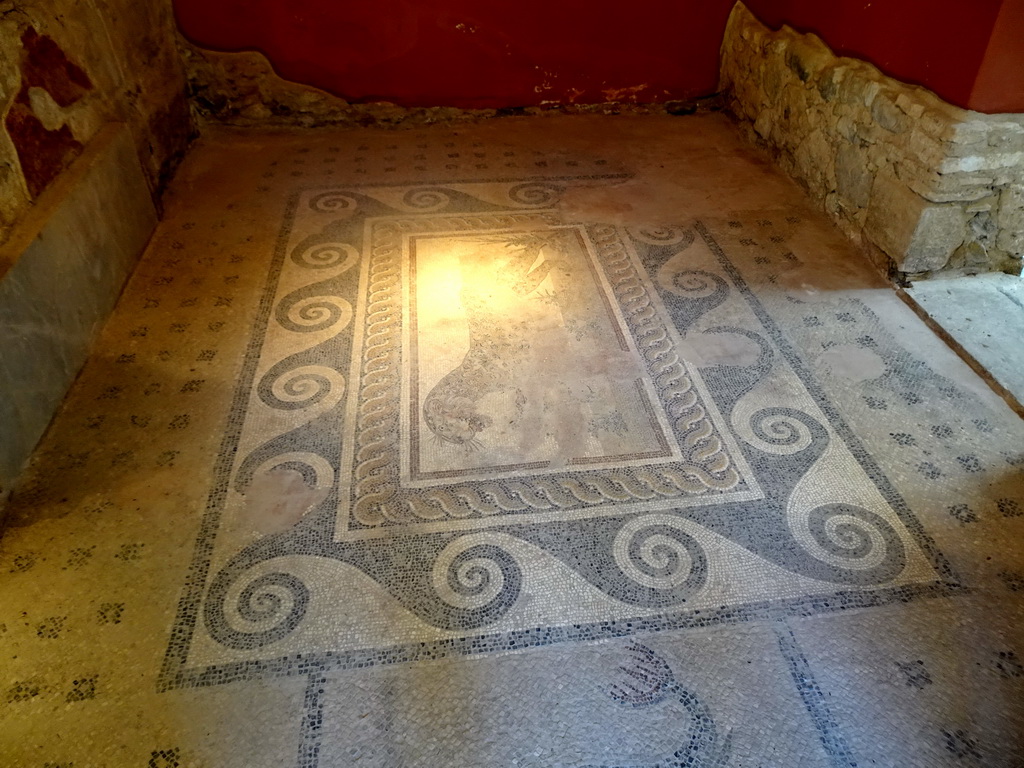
(942, 45)
(502, 54)
(67, 69)
(475, 55)
(999, 86)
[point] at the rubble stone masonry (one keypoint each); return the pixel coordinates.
(926, 187)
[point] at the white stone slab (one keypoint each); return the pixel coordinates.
(985, 315)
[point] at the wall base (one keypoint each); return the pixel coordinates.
(60, 275)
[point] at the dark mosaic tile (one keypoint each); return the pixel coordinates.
(165, 758)
(23, 690)
(166, 458)
(902, 438)
(130, 552)
(79, 557)
(1009, 507)
(23, 561)
(51, 627)
(110, 613)
(963, 513)
(915, 674)
(1007, 665)
(82, 689)
(961, 745)
(1013, 581)
(969, 463)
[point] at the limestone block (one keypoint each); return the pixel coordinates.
(856, 89)
(954, 192)
(970, 256)
(918, 236)
(968, 131)
(983, 162)
(887, 114)
(1010, 220)
(987, 204)
(853, 178)
(794, 99)
(933, 123)
(1007, 135)
(773, 79)
(812, 162)
(829, 81)
(910, 106)
(807, 56)
(846, 127)
(867, 131)
(764, 123)
(923, 148)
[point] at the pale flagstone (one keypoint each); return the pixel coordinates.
(542, 442)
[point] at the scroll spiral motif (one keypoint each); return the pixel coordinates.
(479, 578)
(299, 387)
(852, 538)
(534, 193)
(697, 284)
(663, 235)
(264, 611)
(781, 431)
(314, 313)
(656, 552)
(426, 198)
(316, 471)
(326, 256)
(332, 202)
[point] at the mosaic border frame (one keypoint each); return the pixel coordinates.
(176, 674)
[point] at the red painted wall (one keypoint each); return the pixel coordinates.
(503, 53)
(999, 86)
(473, 53)
(940, 44)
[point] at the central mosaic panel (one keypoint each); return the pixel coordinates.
(490, 427)
(547, 372)
(513, 384)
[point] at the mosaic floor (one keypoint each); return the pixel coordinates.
(554, 442)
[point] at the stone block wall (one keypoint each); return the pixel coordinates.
(924, 186)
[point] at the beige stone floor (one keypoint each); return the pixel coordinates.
(196, 570)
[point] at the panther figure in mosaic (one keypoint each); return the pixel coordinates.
(498, 344)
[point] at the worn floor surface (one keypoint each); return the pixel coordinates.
(984, 314)
(554, 442)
